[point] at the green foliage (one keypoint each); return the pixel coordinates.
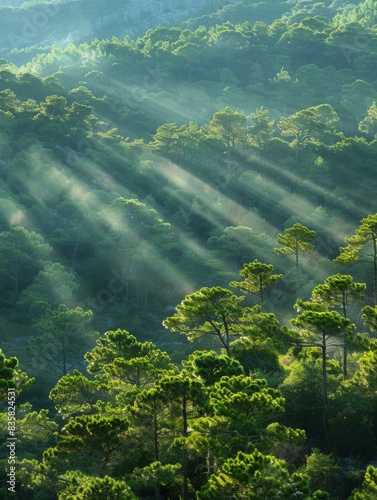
(352, 412)
(10, 377)
(322, 323)
(365, 236)
(370, 317)
(51, 287)
(296, 240)
(229, 125)
(322, 329)
(149, 411)
(74, 393)
(211, 367)
(165, 138)
(234, 247)
(252, 475)
(36, 426)
(121, 360)
(256, 354)
(23, 253)
(284, 442)
(315, 124)
(368, 124)
(323, 472)
(368, 491)
(65, 335)
(91, 443)
(258, 276)
(338, 291)
(104, 488)
(136, 171)
(263, 129)
(303, 390)
(244, 399)
(210, 311)
(144, 480)
(54, 107)
(185, 391)
(240, 408)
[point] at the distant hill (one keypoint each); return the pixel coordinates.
(26, 24)
(31, 24)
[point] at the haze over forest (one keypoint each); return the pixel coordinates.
(188, 249)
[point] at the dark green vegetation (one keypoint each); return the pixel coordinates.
(226, 165)
(28, 26)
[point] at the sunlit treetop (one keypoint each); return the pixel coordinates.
(209, 311)
(10, 377)
(364, 239)
(258, 276)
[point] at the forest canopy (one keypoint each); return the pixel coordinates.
(188, 249)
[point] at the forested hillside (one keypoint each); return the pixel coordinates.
(188, 249)
(27, 25)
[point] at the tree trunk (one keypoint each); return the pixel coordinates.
(324, 382)
(185, 456)
(345, 355)
(64, 357)
(374, 270)
(227, 339)
(155, 436)
(157, 494)
(209, 464)
(345, 347)
(261, 292)
(224, 339)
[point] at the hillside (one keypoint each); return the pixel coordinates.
(32, 24)
(43, 23)
(188, 259)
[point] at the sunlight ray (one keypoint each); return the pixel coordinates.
(305, 206)
(218, 205)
